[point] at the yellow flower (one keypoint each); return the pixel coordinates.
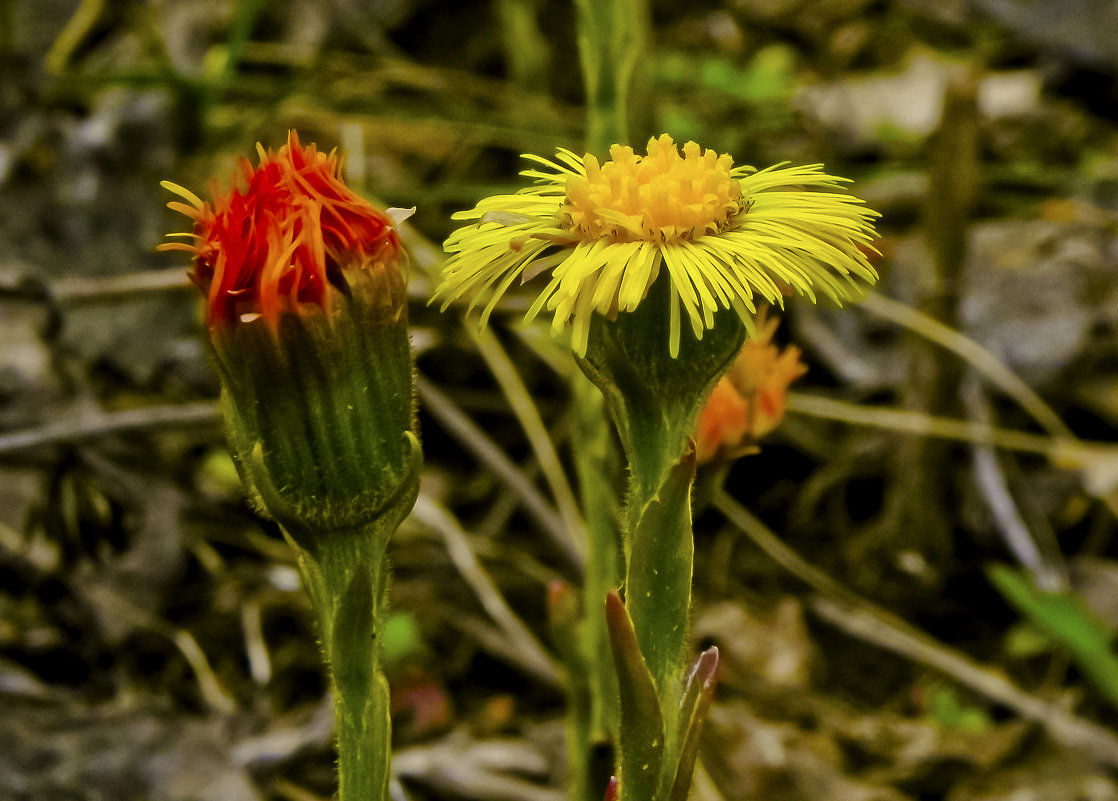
(724, 234)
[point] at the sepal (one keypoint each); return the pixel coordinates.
(320, 407)
(642, 724)
(653, 397)
(698, 692)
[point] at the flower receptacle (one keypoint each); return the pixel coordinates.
(654, 397)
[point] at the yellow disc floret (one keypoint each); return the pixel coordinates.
(661, 197)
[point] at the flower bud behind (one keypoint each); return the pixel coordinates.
(748, 401)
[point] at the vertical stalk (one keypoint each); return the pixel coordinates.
(613, 38)
(526, 48)
(654, 400)
(346, 576)
(918, 490)
(660, 557)
(597, 468)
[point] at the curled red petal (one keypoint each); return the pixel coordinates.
(279, 241)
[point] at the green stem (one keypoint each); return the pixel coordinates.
(654, 401)
(613, 38)
(594, 725)
(346, 573)
(614, 42)
(526, 48)
(660, 549)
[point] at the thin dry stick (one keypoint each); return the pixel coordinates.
(458, 423)
(989, 365)
(526, 411)
(1036, 546)
(523, 644)
(256, 647)
(213, 694)
(112, 288)
(986, 362)
(1065, 451)
(86, 426)
(465, 768)
(862, 619)
(289, 791)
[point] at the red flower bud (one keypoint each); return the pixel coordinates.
(306, 312)
(282, 243)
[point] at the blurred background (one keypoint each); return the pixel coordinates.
(932, 617)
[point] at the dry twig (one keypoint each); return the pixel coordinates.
(860, 618)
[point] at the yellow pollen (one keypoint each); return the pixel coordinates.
(661, 197)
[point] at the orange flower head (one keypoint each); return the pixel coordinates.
(284, 242)
(748, 401)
